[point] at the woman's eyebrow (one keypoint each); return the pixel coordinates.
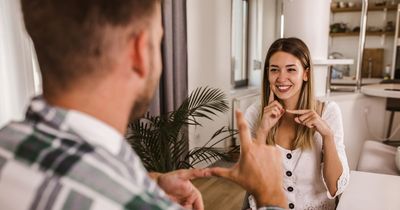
(290, 65)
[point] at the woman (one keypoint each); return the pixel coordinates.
(309, 134)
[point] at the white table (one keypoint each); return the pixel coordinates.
(371, 191)
(382, 90)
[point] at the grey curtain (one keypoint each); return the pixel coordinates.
(173, 87)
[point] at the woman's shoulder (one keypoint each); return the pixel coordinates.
(253, 111)
(329, 108)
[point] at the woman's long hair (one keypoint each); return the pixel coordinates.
(297, 48)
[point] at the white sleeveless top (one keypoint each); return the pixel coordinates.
(303, 182)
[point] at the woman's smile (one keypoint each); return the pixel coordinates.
(283, 88)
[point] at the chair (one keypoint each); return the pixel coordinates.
(377, 157)
(392, 105)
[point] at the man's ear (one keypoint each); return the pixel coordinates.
(305, 74)
(140, 53)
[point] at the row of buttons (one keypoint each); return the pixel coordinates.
(289, 174)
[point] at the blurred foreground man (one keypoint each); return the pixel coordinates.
(100, 62)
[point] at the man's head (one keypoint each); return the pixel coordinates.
(82, 41)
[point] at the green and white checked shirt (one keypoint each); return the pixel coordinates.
(64, 159)
(60, 159)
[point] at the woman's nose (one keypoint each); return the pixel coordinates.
(282, 76)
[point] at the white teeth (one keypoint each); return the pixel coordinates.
(283, 87)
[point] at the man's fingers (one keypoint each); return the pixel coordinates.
(271, 96)
(297, 111)
(220, 172)
(188, 174)
(244, 131)
(195, 201)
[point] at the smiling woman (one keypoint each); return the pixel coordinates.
(308, 133)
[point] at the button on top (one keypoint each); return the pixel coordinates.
(288, 173)
(290, 189)
(291, 205)
(289, 156)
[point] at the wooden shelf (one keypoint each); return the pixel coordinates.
(370, 8)
(342, 34)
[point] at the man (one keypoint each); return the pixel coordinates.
(100, 63)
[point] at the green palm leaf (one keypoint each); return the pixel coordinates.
(162, 141)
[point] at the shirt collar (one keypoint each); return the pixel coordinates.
(94, 131)
(87, 127)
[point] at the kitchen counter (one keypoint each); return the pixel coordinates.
(382, 90)
(353, 82)
(340, 96)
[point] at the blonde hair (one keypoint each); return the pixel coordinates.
(297, 48)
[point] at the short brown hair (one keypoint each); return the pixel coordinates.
(68, 35)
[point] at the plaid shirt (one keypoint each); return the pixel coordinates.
(47, 162)
(64, 159)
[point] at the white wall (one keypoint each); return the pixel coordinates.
(16, 63)
(309, 21)
(209, 52)
(209, 55)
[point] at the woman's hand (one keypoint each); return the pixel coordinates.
(311, 119)
(271, 114)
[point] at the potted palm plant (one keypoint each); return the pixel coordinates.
(162, 141)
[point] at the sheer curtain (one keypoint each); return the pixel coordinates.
(18, 79)
(173, 88)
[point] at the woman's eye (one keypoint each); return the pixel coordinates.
(273, 70)
(291, 69)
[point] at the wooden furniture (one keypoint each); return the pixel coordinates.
(369, 33)
(372, 64)
(219, 193)
(370, 8)
(370, 191)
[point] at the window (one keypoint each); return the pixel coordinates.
(240, 20)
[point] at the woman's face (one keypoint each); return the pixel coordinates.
(286, 75)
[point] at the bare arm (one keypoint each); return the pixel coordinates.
(332, 166)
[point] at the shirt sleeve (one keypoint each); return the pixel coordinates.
(251, 116)
(333, 117)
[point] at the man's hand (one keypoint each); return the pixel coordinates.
(258, 170)
(178, 187)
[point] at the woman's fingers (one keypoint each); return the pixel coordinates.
(300, 111)
(310, 122)
(271, 96)
(272, 106)
(307, 115)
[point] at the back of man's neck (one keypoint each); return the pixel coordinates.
(98, 106)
